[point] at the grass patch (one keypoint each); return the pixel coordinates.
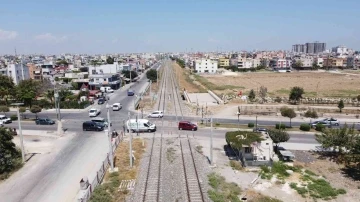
(278, 169)
(170, 154)
(108, 190)
(315, 187)
(212, 86)
(264, 199)
(222, 191)
(283, 91)
(236, 165)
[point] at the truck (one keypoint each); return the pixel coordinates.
(140, 125)
(106, 89)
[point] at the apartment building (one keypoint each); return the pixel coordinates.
(280, 63)
(335, 62)
(319, 62)
(224, 62)
(105, 69)
(354, 62)
(98, 80)
(35, 72)
(17, 72)
(206, 65)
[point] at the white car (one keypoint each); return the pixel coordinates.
(5, 119)
(94, 112)
(116, 106)
(156, 114)
(331, 121)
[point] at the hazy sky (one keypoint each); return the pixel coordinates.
(114, 26)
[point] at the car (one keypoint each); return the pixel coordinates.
(44, 121)
(101, 101)
(5, 119)
(187, 125)
(101, 121)
(1, 123)
(131, 93)
(331, 121)
(156, 114)
(94, 112)
(260, 130)
(326, 124)
(116, 106)
(93, 126)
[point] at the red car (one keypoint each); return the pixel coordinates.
(187, 125)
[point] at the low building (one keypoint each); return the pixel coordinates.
(258, 153)
(99, 80)
(105, 69)
(353, 62)
(206, 66)
(35, 72)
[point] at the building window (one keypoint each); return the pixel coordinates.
(248, 150)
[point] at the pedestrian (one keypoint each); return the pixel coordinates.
(14, 132)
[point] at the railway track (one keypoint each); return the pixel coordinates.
(192, 181)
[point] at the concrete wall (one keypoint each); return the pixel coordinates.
(219, 101)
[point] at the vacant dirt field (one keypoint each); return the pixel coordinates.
(321, 84)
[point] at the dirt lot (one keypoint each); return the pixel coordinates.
(279, 84)
(186, 80)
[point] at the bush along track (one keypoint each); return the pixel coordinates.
(309, 185)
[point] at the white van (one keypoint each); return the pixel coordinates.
(140, 125)
(106, 89)
(116, 106)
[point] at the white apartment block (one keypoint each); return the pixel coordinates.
(320, 62)
(206, 66)
(17, 72)
(105, 69)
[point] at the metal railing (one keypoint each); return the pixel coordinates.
(85, 194)
(136, 102)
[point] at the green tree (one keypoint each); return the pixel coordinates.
(110, 60)
(9, 155)
(340, 139)
(151, 75)
(27, 90)
(263, 92)
(127, 74)
(341, 105)
(298, 64)
(49, 94)
(296, 94)
(35, 109)
(251, 95)
(4, 109)
(288, 112)
(6, 87)
(65, 94)
(311, 114)
(278, 136)
(62, 62)
(22, 110)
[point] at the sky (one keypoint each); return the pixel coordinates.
(121, 26)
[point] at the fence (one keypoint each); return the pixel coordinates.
(86, 188)
(136, 102)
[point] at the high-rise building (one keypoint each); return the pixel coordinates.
(311, 48)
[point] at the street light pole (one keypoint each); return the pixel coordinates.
(110, 138)
(21, 136)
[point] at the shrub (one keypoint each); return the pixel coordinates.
(319, 127)
(311, 114)
(305, 127)
(13, 117)
(280, 126)
(251, 125)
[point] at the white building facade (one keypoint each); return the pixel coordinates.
(105, 69)
(18, 72)
(206, 66)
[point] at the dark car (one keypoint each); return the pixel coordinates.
(93, 126)
(187, 125)
(44, 121)
(131, 93)
(101, 101)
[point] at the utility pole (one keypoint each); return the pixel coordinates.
(256, 124)
(20, 131)
(238, 114)
(130, 143)
(211, 142)
(110, 137)
(137, 124)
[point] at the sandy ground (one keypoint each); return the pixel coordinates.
(278, 84)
